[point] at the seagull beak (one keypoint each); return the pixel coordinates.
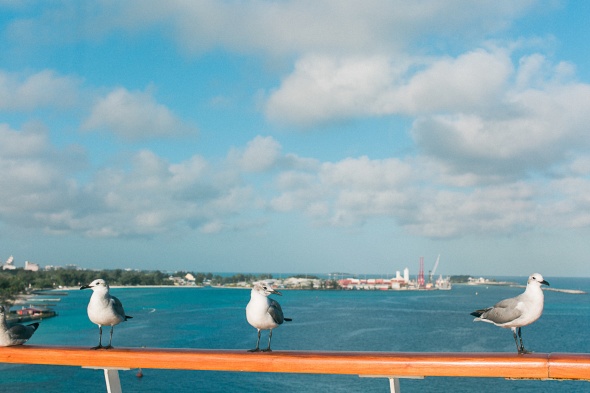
(276, 292)
(85, 287)
(545, 282)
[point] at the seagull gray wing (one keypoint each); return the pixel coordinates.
(503, 312)
(118, 307)
(21, 332)
(275, 311)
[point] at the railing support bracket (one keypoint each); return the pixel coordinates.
(393, 381)
(111, 378)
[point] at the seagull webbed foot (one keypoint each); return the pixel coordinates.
(254, 350)
(267, 350)
(99, 346)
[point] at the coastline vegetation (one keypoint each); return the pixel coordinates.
(19, 281)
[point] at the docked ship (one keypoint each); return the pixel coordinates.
(443, 283)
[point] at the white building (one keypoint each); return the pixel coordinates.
(9, 265)
(31, 266)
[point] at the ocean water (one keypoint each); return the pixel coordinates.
(424, 321)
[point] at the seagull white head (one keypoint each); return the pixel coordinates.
(97, 285)
(265, 289)
(536, 279)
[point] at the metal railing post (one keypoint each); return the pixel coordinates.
(393, 381)
(111, 377)
(394, 385)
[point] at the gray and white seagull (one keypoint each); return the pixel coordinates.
(516, 312)
(264, 313)
(16, 334)
(104, 309)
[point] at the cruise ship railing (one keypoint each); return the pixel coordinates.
(540, 366)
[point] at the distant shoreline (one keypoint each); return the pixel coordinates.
(515, 285)
(496, 283)
(150, 286)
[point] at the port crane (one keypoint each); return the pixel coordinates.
(433, 269)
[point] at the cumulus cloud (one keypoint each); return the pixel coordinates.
(274, 28)
(535, 130)
(477, 113)
(471, 81)
(352, 192)
(156, 196)
(260, 154)
(347, 192)
(301, 27)
(135, 115)
(32, 172)
(44, 89)
(324, 88)
(150, 195)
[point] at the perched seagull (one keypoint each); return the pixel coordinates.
(104, 309)
(264, 313)
(518, 311)
(15, 335)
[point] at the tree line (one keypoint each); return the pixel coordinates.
(18, 281)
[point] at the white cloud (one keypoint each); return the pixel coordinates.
(325, 89)
(274, 28)
(32, 174)
(149, 196)
(152, 196)
(347, 192)
(472, 81)
(135, 115)
(44, 89)
(354, 191)
(260, 154)
(28, 143)
(155, 196)
(536, 130)
(324, 26)
(476, 114)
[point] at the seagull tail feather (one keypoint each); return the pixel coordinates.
(288, 319)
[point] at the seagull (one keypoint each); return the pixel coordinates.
(104, 309)
(264, 313)
(15, 335)
(516, 312)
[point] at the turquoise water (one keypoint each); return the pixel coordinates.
(436, 321)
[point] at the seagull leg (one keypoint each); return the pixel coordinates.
(521, 350)
(99, 338)
(269, 338)
(257, 349)
(515, 339)
(111, 340)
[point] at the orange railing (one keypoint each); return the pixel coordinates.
(503, 365)
(541, 366)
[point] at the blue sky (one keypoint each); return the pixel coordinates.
(309, 136)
